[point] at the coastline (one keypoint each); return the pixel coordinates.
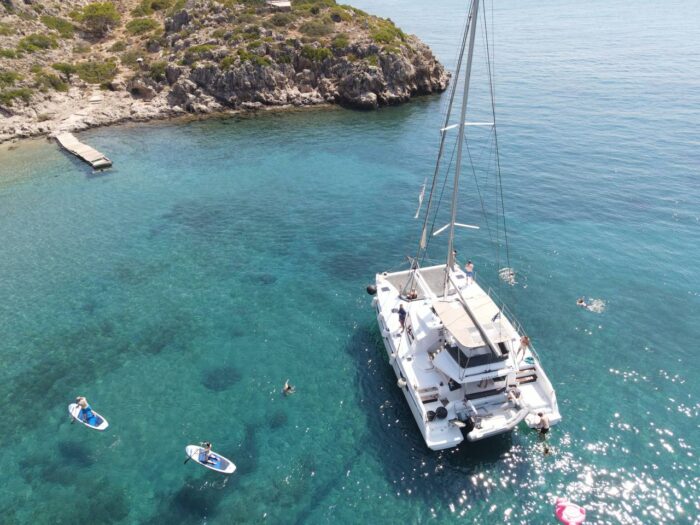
(203, 59)
(9, 144)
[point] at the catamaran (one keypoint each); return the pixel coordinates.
(465, 365)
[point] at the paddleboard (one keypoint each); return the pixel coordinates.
(223, 465)
(98, 423)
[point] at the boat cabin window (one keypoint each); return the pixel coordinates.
(471, 357)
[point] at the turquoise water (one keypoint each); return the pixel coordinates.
(219, 258)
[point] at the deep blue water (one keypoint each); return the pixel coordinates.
(219, 258)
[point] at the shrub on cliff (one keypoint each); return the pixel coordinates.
(8, 53)
(118, 46)
(157, 70)
(340, 14)
(147, 7)
(340, 42)
(45, 81)
(317, 54)
(99, 17)
(66, 69)
(246, 56)
(199, 52)
(97, 72)
(139, 26)
(7, 97)
(8, 78)
(385, 32)
(281, 19)
(130, 58)
(37, 42)
(6, 29)
(63, 26)
(317, 28)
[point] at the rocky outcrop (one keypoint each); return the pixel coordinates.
(215, 58)
(396, 78)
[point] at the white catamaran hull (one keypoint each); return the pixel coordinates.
(472, 405)
(465, 366)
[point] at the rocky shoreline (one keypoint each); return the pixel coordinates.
(212, 58)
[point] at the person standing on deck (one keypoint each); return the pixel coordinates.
(469, 268)
(402, 317)
(524, 345)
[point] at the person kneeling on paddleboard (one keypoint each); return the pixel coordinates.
(85, 414)
(206, 455)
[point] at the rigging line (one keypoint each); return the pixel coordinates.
(457, 58)
(437, 207)
(498, 158)
(478, 190)
(444, 134)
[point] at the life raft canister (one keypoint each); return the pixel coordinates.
(569, 513)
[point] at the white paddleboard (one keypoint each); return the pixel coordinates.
(223, 465)
(100, 423)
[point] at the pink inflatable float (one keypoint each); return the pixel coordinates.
(569, 513)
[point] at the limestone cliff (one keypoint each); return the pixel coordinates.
(73, 65)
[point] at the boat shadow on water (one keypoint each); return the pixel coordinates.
(395, 440)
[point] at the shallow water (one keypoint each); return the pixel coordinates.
(218, 258)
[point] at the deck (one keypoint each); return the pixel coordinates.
(70, 143)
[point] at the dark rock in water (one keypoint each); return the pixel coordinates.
(278, 420)
(236, 331)
(247, 455)
(75, 453)
(204, 219)
(89, 307)
(220, 378)
(265, 278)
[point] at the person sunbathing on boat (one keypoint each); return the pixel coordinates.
(85, 413)
(513, 395)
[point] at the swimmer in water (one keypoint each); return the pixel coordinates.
(288, 389)
(581, 302)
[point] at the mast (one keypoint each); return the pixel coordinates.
(458, 163)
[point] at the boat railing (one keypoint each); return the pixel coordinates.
(512, 318)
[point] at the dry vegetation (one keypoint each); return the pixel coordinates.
(53, 45)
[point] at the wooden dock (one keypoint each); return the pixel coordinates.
(90, 155)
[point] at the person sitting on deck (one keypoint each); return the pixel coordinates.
(412, 295)
(85, 413)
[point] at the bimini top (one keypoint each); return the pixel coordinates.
(456, 319)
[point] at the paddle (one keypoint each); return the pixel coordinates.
(188, 458)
